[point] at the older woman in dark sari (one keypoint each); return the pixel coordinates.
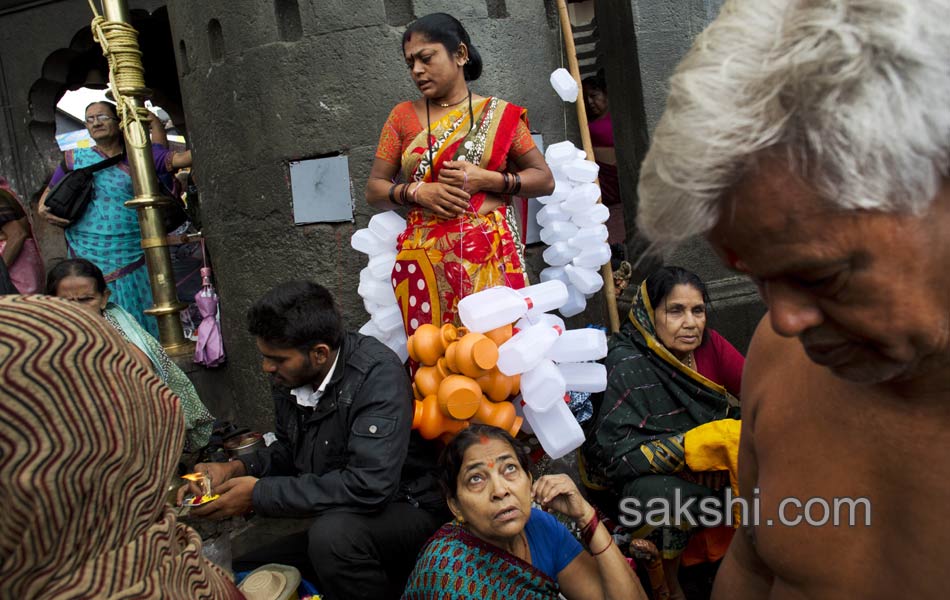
(499, 546)
(668, 375)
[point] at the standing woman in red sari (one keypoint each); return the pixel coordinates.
(460, 157)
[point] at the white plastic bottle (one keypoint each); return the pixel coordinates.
(381, 265)
(556, 429)
(491, 308)
(388, 318)
(593, 257)
(582, 171)
(552, 213)
(581, 199)
(562, 187)
(545, 296)
(594, 215)
(588, 236)
(497, 306)
(372, 330)
(526, 349)
(583, 377)
(575, 305)
(543, 385)
(535, 319)
(558, 231)
(587, 281)
(377, 292)
(579, 345)
(559, 254)
(561, 152)
(387, 226)
(565, 85)
(550, 273)
(367, 242)
(397, 343)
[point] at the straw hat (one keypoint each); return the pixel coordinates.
(271, 582)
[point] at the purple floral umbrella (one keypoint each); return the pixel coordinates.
(209, 350)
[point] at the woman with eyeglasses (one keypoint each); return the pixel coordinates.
(459, 157)
(108, 232)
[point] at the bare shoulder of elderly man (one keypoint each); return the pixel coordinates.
(846, 397)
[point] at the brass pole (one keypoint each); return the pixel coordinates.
(149, 203)
(607, 272)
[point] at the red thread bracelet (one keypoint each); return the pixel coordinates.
(606, 548)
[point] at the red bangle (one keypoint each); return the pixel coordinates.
(587, 532)
(607, 547)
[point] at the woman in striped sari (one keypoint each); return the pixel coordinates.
(88, 440)
(460, 157)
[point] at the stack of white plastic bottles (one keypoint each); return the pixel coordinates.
(572, 220)
(378, 241)
(550, 359)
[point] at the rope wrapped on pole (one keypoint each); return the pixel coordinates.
(119, 41)
(120, 46)
(610, 293)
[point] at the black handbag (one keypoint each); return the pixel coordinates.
(69, 198)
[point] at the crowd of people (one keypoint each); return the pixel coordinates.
(805, 141)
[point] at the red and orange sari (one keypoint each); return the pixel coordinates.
(440, 261)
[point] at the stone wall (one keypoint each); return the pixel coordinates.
(644, 40)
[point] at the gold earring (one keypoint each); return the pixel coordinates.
(460, 520)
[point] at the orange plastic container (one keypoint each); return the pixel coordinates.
(431, 423)
(498, 414)
(428, 378)
(500, 335)
(459, 397)
(498, 386)
(472, 355)
(428, 343)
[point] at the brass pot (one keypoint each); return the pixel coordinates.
(244, 444)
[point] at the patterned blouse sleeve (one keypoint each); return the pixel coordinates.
(390, 139)
(523, 140)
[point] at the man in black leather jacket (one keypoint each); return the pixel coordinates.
(345, 452)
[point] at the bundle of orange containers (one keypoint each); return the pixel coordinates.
(458, 381)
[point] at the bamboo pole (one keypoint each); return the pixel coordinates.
(610, 293)
(149, 202)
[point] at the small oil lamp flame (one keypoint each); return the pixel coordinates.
(201, 479)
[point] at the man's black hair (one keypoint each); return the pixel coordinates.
(297, 314)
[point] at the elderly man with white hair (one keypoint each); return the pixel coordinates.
(809, 141)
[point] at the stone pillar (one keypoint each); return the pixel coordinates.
(644, 41)
(269, 82)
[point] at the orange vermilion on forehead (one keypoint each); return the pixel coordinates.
(491, 464)
(483, 439)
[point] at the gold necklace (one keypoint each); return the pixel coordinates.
(467, 95)
(689, 360)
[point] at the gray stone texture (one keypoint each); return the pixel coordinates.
(270, 102)
(643, 41)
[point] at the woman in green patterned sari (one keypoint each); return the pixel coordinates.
(80, 281)
(667, 374)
